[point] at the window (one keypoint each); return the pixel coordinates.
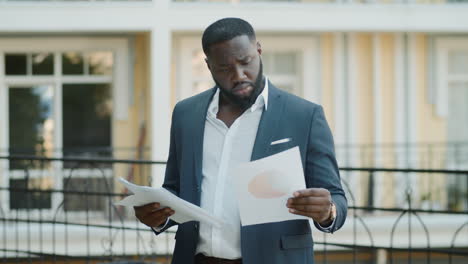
(286, 60)
(457, 123)
(452, 95)
(87, 116)
(283, 68)
(60, 102)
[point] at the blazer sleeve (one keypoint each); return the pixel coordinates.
(172, 176)
(322, 168)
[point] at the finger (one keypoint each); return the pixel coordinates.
(147, 207)
(307, 208)
(157, 218)
(163, 212)
(299, 212)
(311, 192)
(151, 211)
(318, 217)
(309, 201)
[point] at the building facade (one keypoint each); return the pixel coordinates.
(100, 79)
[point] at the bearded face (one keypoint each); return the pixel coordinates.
(236, 68)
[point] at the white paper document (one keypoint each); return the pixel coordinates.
(264, 186)
(184, 211)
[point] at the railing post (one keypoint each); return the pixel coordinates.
(370, 189)
(408, 197)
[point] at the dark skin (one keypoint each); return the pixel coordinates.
(235, 67)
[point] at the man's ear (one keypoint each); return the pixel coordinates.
(207, 64)
(259, 48)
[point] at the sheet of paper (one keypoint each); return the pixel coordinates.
(264, 186)
(184, 211)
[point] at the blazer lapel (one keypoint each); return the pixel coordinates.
(198, 134)
(268, 123)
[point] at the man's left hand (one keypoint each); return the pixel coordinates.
(313, 202)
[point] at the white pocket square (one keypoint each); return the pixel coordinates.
(284, 140)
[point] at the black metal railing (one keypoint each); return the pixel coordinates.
(426, 155)
(52, 213)
(410, 207)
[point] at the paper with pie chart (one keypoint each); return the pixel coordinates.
(264, 186)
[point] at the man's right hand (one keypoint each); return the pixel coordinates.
(152, 214)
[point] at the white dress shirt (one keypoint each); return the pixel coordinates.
(223, 149)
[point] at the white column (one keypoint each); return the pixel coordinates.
(160, 90)
(3, 109)
(413, 82)
(353, 100)
(340, 95)
(378, 100)
(122, 81)
(431, 78)
(442, 78)
(400, 116)
(412, 137)
(4, 203)
(378, 117)
(400, 83)
(57, 197)
(352, 118)
(312, 72)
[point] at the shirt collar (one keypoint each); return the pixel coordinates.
(262, 100)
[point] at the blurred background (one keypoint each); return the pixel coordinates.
(87, 89)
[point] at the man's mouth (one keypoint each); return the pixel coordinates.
(242, 88)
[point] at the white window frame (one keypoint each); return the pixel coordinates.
(307, 48)
(120, 82)
(443, 46)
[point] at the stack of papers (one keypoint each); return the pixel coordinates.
(184, 211)
(265, 185)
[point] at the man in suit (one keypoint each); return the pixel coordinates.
(243, 118)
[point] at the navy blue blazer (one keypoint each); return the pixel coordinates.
(288, 116)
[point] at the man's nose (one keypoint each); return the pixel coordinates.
(239, 74)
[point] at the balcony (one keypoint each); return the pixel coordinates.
(52, 212)
(268, 1)
(193, 16)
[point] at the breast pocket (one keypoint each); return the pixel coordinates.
(280, 145)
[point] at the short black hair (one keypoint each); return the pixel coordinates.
(226, 29)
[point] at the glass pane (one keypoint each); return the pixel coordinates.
(31, 124)
(457, 129)
(100, 63)
(43, 64)
(201, 75)
(268, 62)
(72, 63)
(285, 63)
(458, 62)
(282, 68)
(15, 64)
(24, 199)
(199, 68)
(87, 115)
(84, 201)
